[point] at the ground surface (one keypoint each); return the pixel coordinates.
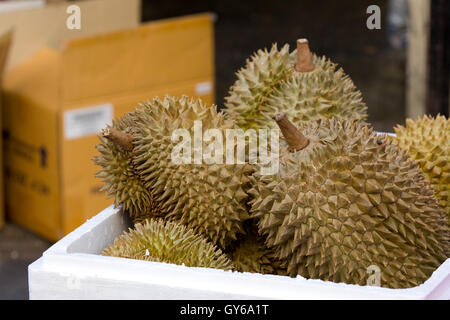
(335, 28)
(18, 248)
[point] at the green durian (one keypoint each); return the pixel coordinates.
(427, 140)
(170, 242)
(118, 173)
(252, 255)
(209, 198)
(342, 202)
(300, 84)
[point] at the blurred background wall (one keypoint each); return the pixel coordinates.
(336, 29)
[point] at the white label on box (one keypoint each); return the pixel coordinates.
(202, 88)
(87, 121)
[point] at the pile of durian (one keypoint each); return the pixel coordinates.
(344, 198)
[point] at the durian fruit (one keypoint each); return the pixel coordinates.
(120, 178)
(341, 203)
(167, 241)
(209, 198)
(427, 140)
(252, 255)
(300, 84)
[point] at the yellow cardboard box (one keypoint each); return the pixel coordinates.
(57, 101)
(5, 41)
(37, 25)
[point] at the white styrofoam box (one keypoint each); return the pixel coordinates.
(74, 269)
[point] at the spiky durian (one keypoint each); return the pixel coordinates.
(300, 84)
(427, 140)
(121, 180)
(341, 203)
(170, 242)
(209, 198)
(252, 255)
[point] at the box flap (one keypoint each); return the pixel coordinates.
(5, 42)
(151, 56)
(40, 27)
(37, 79)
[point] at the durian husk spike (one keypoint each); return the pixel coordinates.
(295, 139)
(164, 241)
(120, 138)
(304, 57)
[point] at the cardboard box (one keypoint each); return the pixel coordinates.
(40, 27)
(57, 101)
(74, 269)
(5, 41)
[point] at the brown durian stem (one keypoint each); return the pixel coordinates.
(295, 139)
(304, 57)
(122, 139)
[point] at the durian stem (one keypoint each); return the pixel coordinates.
(295, 139)
(304, 57)
(122, 139)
